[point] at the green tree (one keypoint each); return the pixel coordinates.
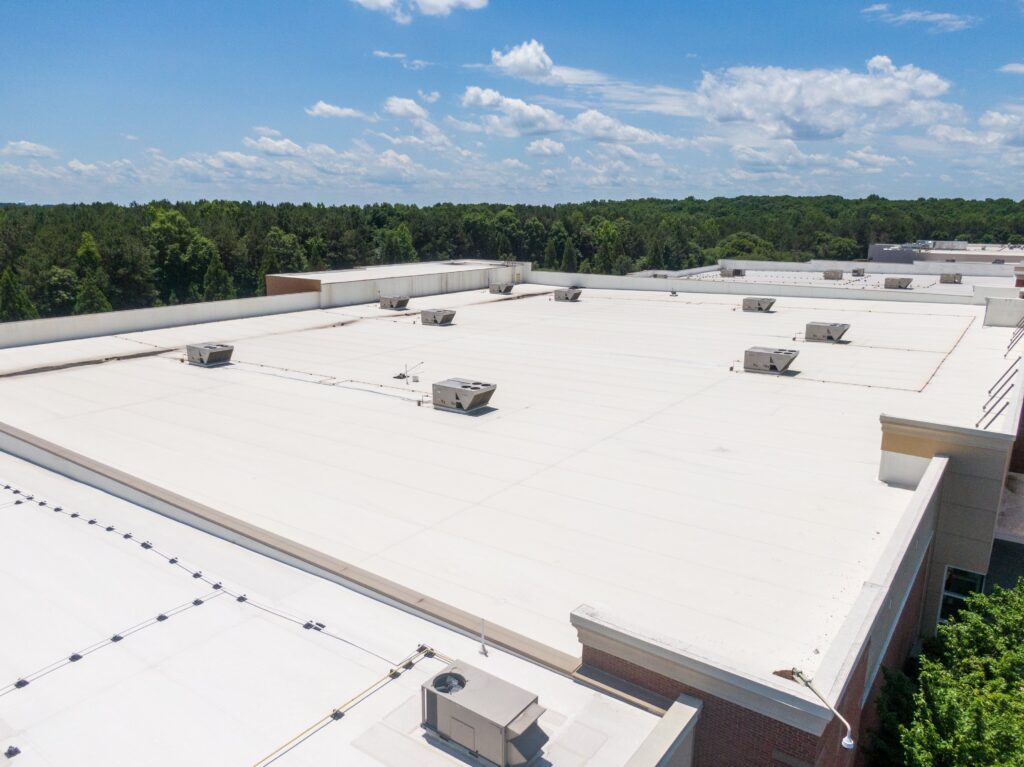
(15, 304)
(744, 245)
(396, 246)
(287, 250)
(91, 298)
(59, 290)
(833, 248)
(88, 255)
(969, 705)
(569, 257)
(169, 236)
(217, 284)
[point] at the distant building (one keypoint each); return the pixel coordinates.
(956, 251)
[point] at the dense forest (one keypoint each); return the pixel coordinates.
(65, 259)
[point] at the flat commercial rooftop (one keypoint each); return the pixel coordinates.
(392, 270)
(629, 463)
(922, 283)
(224, 682)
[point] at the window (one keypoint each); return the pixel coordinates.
(959, 585)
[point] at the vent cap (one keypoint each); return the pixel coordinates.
(726, 272)
(951, 278)
(501, 288)
(833, 274)
(209, 355)
(437, 316)
(898, 283)
(764, 359)
(755, 304)
(858, 272)
(568, 294)
(394, 302)
(462, 395)
(829, 332)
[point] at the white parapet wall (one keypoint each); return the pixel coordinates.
(875, 267)
(353, 292)
(1004, 312)
(54, 329)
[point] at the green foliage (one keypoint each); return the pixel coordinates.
(91, 299)
(15, 304)
(968, 704)
(569, 257)
(142, 255)
(217, 284)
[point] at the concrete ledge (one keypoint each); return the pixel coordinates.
(670, 743)
(169, 504)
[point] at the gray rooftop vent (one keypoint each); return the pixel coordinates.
(998, 260)
(462, 395)
(732, 272)
(755, 304)
(501, 288)
(951, 278)
(833, 274)
(898, 283)
(568, 294)
(437, 316)
(209, 355)
(485, 715)
(858, 272)
(763, 359)
(394, 302)
(830, 332)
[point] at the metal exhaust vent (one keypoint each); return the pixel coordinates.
(209, 355)
(394, 302)
(763, 359)
(462, 395)
(732, 272)
(501, 288)
(833, 274)
(858, 272)
(898, 283)
(437, 316)
(829, 332)
(755, 304)
(489, 717)
(951, 278)
(568, 294)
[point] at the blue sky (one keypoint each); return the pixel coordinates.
(509, 100)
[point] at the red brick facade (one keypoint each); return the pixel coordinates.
(729, 735)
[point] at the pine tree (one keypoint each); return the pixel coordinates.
(15, 304)
(88, 255)
(91, 299)
(217, 284)
(569, 257)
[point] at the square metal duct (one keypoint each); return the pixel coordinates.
(568, 294)
(764, 359)
(755, 304)
(951, 278)
(898, 283)
(732, 272)
(462, 395)
(858, 272)
(209, 355)
(437, 316)
(833, 274)
(501, 288)
(829, 332)
(394, 302)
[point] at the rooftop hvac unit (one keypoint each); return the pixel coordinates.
(461, 395)
(489, 717)
(998, 260)
(394, 302)
(437, 316)
(830, 332)
(858, 272)
(898, 283)
(763, 359)
(754, 304)
(568, 294)
(501, 288)
(209, 355)
(660, 276)
(833, 274)
(951, 278)
(732, 272)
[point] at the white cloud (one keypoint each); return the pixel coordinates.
(323, 109)
(388, 55)
(27, 149)
(407, 63)
(597, 125)
(1013, 69)
(273, 146)
(936, 21)
(530, 61)
(405, 108)
(516, 117)
(262, 130)
(402, 11)
(545, 147)
(1001, 130)
(428, 98)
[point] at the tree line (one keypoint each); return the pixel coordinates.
(66, 259)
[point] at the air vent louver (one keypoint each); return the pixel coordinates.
(829, 332)
(394, 302)
(833, 274)
(951, 278)
(764, 359)
(437, 316)
(755, 304)
(209, 355)
(501, 288)
(487, 716)
(462, 395)
(858, 272)
(725, 272)
(897, 283)
(568, 294)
